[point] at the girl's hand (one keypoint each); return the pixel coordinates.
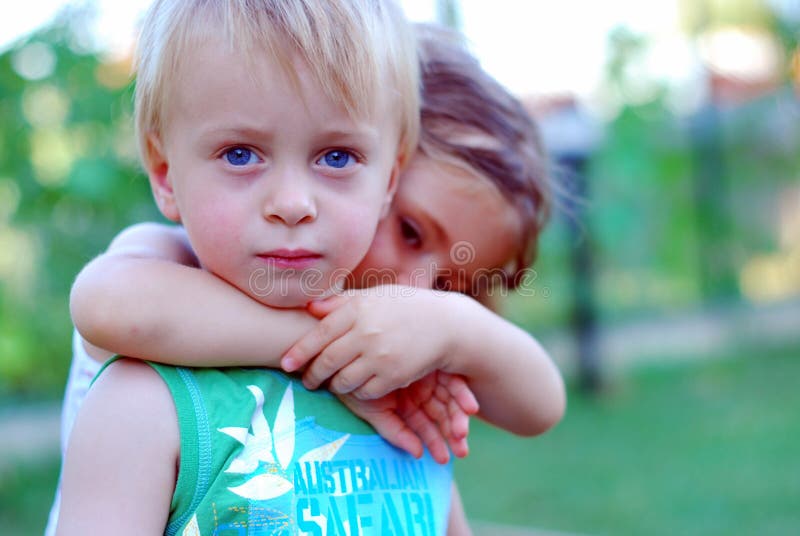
(371, 342)
(425, 412)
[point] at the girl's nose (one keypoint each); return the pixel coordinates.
(417, 275)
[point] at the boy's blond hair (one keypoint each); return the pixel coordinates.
(354, 50)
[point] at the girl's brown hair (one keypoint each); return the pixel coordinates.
(470, 120)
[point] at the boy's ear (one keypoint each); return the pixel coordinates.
(394, 179)
(160, 180)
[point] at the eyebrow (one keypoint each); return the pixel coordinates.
(247, 132)
(356, 131)
(357, 135)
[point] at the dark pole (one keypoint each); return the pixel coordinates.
(571, 137)
(584, 307)
(710, 192)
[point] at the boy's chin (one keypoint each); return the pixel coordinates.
(285, 301)
(294, 294)
(292, 299)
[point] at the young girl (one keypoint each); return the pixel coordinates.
(478, 182)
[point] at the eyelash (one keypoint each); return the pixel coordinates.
(353, 158)
(226, 155)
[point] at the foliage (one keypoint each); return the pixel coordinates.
(26, 493)
(68, 182)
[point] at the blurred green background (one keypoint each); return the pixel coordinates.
(671, 273)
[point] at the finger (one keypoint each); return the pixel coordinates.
(422, 393)
(459, 389)
(437, 411)
(452, 417)
(378, 384)
(328, 330)
(389, 377)
(337, 356)
(459, 429)
(323, 308)
(459, 421)
(459, 425)
(396, 432)
(392, 428)
(353, 374)
(442, 421)
(455, 422)
(459, 447)
(428, 432)
(389, 426)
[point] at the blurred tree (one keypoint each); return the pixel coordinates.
(681, 202)
(448, 13)
(698, 15)
(641, 210)
(69, 180)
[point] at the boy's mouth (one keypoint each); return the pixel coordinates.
(290, 258)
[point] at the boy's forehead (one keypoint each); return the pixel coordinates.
(222, 91)
(263, 66)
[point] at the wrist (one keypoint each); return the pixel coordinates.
(460, 315)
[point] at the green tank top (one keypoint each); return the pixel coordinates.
(262, 455)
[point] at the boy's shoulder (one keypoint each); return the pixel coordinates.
(129, 400)
(224, 392)
(124, 374)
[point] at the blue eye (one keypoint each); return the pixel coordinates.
(338, 159)
(240, 156)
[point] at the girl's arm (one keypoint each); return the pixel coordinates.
(518, 386)
(374, 341)
(145, 297)
(121, 464)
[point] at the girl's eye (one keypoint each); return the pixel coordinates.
(240, 156)
(442, 283)
(410, 233)
(337, 159)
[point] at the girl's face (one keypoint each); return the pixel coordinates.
(446, 229)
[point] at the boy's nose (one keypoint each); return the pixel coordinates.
(290, 203)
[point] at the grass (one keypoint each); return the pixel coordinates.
(699, 448)
(707, 447)
(26, 493)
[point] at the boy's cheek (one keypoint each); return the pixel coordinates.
(216, 230)
(352, 242)
(357, 229)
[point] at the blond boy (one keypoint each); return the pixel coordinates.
(273, 131)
